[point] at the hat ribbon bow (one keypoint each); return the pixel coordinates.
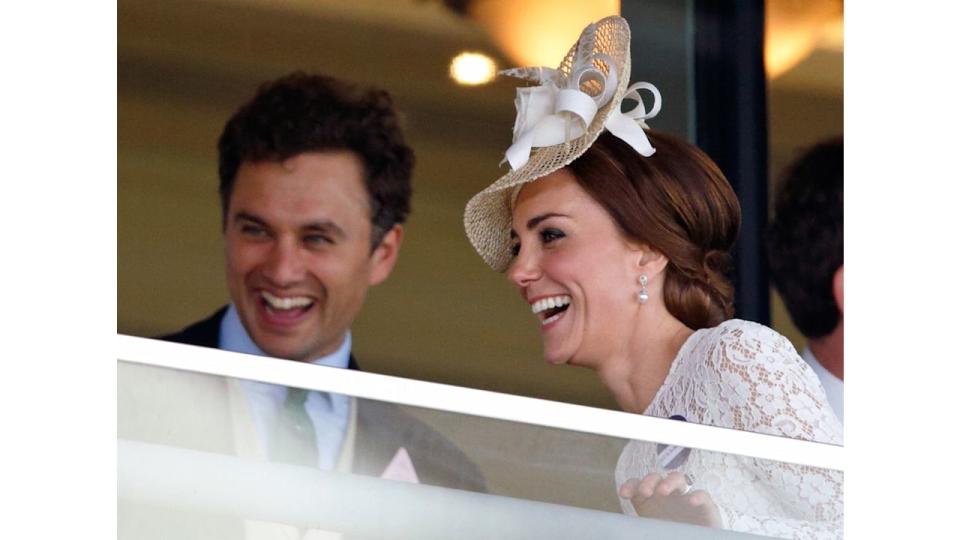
(548, 115)
(629, 125)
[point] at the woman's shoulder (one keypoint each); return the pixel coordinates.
(754, 378)
(746, 336)
(738, 345)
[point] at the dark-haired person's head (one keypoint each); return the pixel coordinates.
(302, 113)
(314, 189)
(585, 234)
(805, 239)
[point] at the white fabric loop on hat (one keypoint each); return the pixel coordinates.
(533, 103)
(628, 126)
(638, 112)
(544, 117)
(578, 104)
(608, 82)
(547, 116)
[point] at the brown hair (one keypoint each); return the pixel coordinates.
(677, 202)
(301, 113)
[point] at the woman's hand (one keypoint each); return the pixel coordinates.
(669, 497)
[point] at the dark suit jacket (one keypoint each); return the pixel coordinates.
(382, 428)
(192, 410)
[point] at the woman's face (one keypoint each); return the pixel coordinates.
(575, 268)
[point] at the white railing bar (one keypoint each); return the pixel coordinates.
(165, 477)
(483, 403)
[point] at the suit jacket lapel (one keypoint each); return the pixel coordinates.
(205, 333)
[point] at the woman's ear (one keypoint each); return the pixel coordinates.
(650, 261)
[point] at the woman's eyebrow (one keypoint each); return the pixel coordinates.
(534, 221)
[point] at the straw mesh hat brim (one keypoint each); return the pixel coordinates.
(487, 218)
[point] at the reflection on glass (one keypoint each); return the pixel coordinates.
(199, 459)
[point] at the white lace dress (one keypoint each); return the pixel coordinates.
(745, 376)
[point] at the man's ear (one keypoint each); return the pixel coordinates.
(384, 256)
(838, 288)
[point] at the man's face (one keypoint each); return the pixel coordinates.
(297, 243)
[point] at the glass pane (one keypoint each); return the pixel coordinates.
(200, 456)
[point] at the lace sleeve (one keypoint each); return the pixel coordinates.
(757, 382)
(753, 380)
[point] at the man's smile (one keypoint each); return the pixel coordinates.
(284, 310)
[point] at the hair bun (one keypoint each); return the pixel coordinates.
(715, 260)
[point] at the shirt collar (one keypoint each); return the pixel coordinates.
(234, 337)
(832, 385)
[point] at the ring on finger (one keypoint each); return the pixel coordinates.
(689, 480)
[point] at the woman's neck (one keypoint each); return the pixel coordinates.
(636, 372)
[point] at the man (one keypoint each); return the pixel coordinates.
(314, 190)
(805, 244)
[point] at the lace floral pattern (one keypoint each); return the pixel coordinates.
(745, 376)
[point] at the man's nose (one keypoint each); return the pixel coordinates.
(284, 265)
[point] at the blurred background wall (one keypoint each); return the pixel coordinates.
(184, 66)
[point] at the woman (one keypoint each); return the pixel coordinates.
(619, 238)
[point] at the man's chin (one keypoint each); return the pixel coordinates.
(284, 351)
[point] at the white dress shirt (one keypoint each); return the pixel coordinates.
(329, 413)
(832, 384)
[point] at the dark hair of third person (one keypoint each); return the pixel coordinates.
(678, 203)
(314, 113)
(805, 238)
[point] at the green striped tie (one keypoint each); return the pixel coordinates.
(294, 439)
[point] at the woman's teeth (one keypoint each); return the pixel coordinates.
(550, 319)
(551, 308)
(549, 302)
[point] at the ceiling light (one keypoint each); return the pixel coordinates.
(794, 29)
(471, 68)
(539, 32)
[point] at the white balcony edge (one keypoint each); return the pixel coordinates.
(482, 403)
(289, 496)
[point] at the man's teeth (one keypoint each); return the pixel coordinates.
(277, 302)
(549, 302)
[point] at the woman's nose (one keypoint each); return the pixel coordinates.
(524, 269)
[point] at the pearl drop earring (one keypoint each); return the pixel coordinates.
(643, 295)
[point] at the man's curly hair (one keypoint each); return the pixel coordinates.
(805, 238)
(314, 113)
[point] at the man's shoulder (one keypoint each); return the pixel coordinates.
(205, 333)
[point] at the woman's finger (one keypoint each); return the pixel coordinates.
(629, 488)
(673, 484)
(648, 485)
(698, 497)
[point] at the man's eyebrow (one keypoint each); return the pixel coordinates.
(325, 226)
(247, 216)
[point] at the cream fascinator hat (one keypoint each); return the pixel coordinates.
(557, 121)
